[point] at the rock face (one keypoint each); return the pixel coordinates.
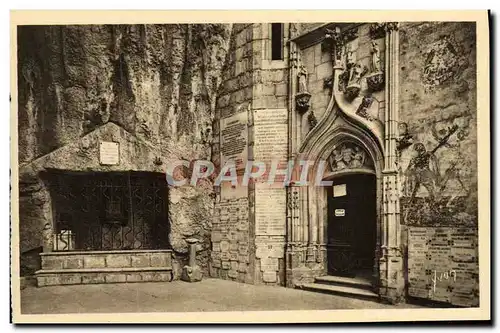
(157, 83)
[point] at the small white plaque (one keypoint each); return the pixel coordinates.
(339, 190)
(339, 212)
(109, 153)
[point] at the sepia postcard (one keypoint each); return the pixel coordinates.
(250, 166)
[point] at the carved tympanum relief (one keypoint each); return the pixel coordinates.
(349, 155)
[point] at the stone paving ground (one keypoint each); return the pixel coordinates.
(207, 295)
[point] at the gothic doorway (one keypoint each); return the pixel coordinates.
(352, 225)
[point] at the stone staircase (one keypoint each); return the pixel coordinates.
(91, 267)
(343, 286)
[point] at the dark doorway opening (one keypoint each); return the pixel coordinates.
(109, 210)
(352, 225)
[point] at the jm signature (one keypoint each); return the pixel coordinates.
(448, 275)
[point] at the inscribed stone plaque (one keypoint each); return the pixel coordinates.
(270, 210)
(271, 138)
(234, 140)
(109, 153)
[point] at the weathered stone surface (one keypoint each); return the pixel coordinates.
(157, 84)
(117, 260)
(91, 261)
(140, 260)
(134, 277)
(73, 263)
(191, 274)
(93, 278)
(52, 263)
(116, 278)
(160, 260)
(70, 279)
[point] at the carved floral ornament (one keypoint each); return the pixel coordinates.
(349, 155)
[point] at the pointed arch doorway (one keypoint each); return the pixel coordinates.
(351, 225)
(351, 219)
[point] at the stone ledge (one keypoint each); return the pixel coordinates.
(102, 270)
(106, 259)
(73, 278)
(65, 253)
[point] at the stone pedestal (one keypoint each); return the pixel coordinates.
(191, 272)
(392, 283)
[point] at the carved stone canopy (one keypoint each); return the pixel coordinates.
(349, 155)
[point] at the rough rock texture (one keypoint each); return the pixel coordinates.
(157, 83)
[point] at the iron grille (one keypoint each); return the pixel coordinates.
(109, 211)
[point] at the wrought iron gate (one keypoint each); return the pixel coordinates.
(109, 211)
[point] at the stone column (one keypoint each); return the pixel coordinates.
(391, 259)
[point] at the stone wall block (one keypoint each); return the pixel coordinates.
(94, 261)
(118, 260)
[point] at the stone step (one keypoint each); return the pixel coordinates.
(57, 277)
(344, 281)
(341, 291)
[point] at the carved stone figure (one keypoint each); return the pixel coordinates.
(375, 80)
(312, 120)
(303, 96)
(355, 77)
(375, 57)
(302, 79)
(404, 139)
(339, 160)
(353, 88)
(363, 107)
(358, 158)
(351, 55)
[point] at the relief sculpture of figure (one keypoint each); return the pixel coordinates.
(358, 158)
(375, 57)
(356, 73)
(302, 79)
(339, 159)
(351, 55)
(347, 155)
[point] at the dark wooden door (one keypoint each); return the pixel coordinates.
(352, 226)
